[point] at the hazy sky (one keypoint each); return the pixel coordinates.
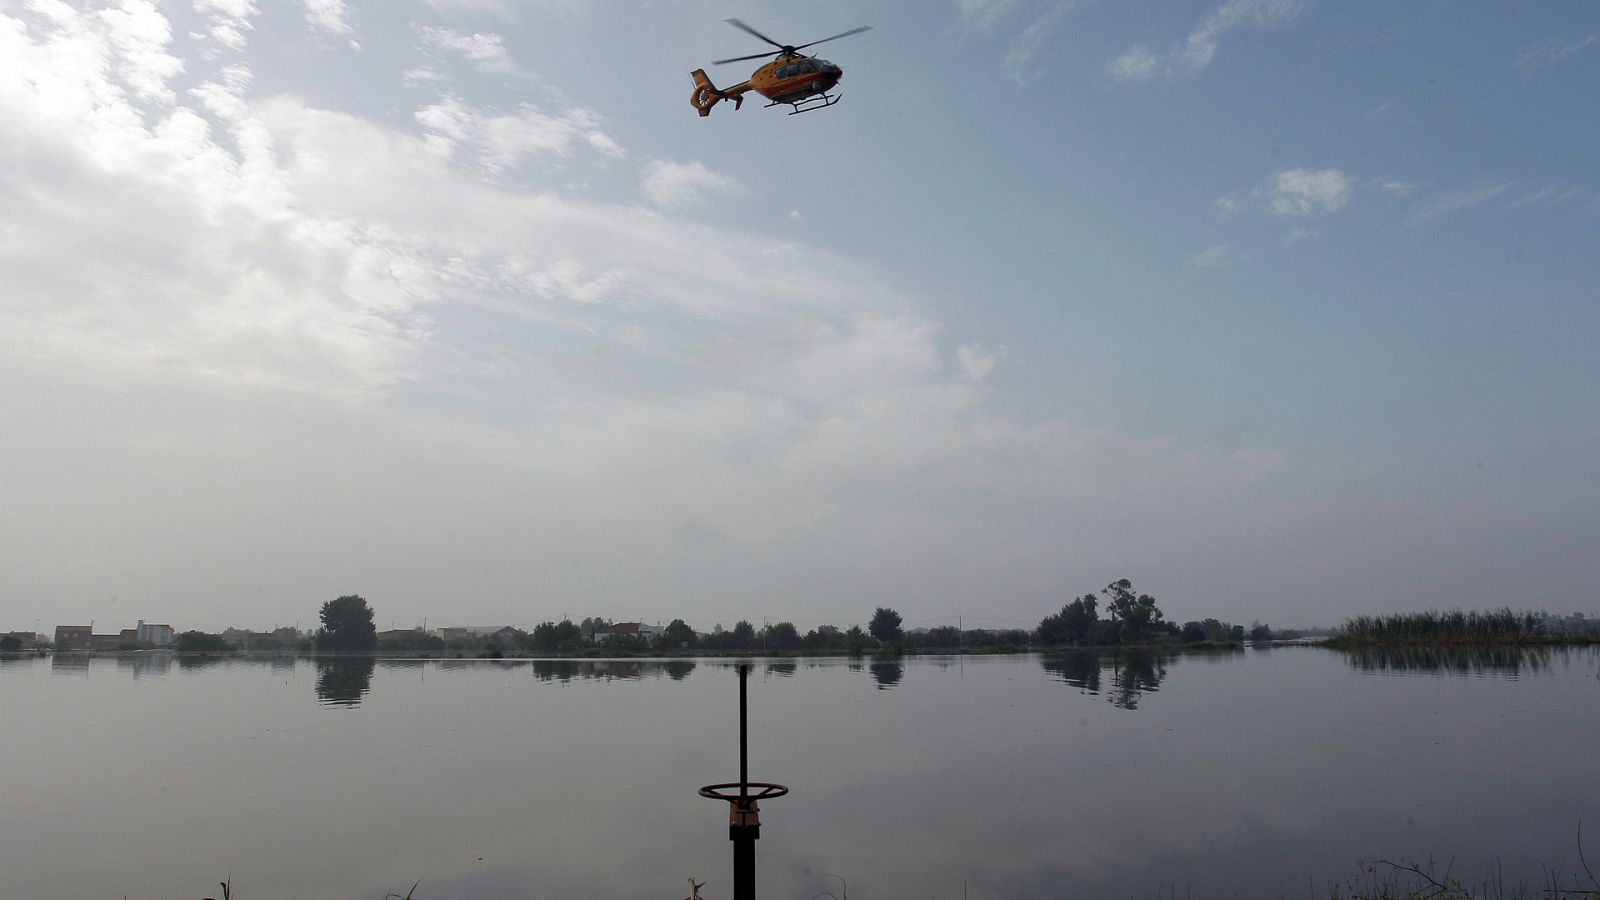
(1285, 310)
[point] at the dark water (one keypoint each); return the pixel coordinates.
(1250, 774)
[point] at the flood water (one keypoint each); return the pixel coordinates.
(1262, 773)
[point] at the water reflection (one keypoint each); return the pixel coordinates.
(1138, 672)
(1134, 673)
(343, 682)
(887, 674)
(1079, 668)
(145, 664)
(781, 669)
(1501, 661)
(69, 663)
(565, 670)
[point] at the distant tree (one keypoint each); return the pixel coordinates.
(1236, 633)
(200, 642)
(855, 641)
(1260, 632)
(347, 626)
(885, 625)
(1075, 624)
(590, 625)
(822, 637)
(1136, 614)
(677, 634)
(783, 636)
(10, 644)
(744, 635)
(1193, 633)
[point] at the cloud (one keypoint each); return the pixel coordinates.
(978, 360)
(984, 13)
(484, 51)
(1136, 64)
(495, 143)
(1196, 52)
(1548, 197)
(673, 185)
(1217, 256)
(1452, 202)
(1304, 192)
(229, 19)
(1401, 189)
(329, 17)
(1553, 52)
(1033, 37)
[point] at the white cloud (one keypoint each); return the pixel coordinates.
(1304, 192)
(1452, 202)
(1197, 51)
(485, 51)
(1548, 197)
(329, 16)
(139, 35)
(978, 360)
(984, 13)
(498, 142)
(1401, 189)
(673, 185)
(1033, 37)
(1217, 256)
(1136, 64)
(229, 19)
(1554, 51)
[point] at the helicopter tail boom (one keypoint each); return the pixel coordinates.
(706, 94)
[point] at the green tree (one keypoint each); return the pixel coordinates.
(744, 635)
(885, 625)
(855, 640)
(347, 626)
(1075, 624)
(1136, 614)
(10, 644)
(677, 634)
(783, 636)
(200, 642)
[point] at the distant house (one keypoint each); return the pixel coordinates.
(26, 640)
(73, 637)
(159, 635)
(502, 633)
(629, 629)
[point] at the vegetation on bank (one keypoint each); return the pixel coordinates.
(1497, 626)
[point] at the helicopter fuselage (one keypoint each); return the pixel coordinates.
(790, 79)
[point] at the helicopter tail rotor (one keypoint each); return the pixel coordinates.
(706, 94)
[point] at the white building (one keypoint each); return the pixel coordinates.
(160, 635)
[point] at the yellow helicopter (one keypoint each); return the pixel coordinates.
(801, 81)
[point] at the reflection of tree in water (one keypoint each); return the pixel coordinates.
(343, 682)
(1079, 668)
(562, 670)
(887, 674)
(678, 669)
(1443, 659)
(1137, 672)
(781, 670)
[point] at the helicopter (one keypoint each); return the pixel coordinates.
(801, 81)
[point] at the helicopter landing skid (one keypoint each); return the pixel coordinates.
(815, 101)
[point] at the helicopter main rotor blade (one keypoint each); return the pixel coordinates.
(743, 58)
(837, 36)
(746, 28)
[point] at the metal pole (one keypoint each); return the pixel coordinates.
(744, 733)
(744, 831)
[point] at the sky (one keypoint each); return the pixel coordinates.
(1282, 309)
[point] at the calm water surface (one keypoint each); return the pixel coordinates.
(1253, 774)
